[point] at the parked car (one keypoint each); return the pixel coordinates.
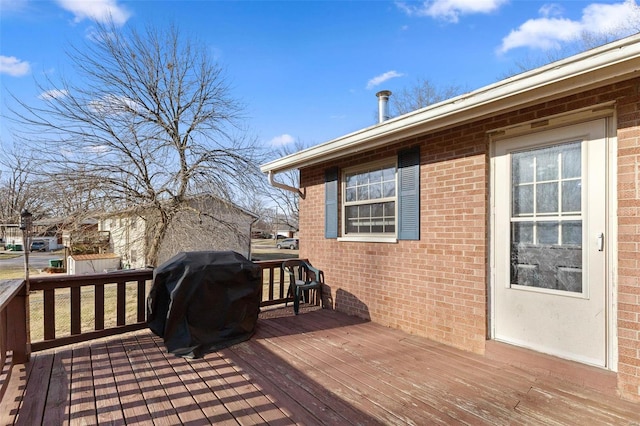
(290, 243)
(38, 246)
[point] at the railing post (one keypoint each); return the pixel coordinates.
(18, 334)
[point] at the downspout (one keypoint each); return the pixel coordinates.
(280, 185)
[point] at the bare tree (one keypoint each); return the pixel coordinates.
(147, 121)
(419, 95)
(17, 186)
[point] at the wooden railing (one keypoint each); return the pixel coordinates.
(273, 283)
(66, 309)
(14, 341)
(66, 290)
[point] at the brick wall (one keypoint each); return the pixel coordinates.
(437, 287)
(434, 287)
(629, 244)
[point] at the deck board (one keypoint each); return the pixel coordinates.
(320, 367)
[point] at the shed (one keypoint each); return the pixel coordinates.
(93, 263)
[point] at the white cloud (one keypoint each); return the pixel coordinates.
(551, 30)
(53, 94)
(542, 33)
(100, 10)
(376, 81)
(284, 139)
(14, 66)
(450, 10)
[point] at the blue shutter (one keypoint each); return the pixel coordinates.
(331, 203)
(409, 194)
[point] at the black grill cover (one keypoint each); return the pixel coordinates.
(204, 301)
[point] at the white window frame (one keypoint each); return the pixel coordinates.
(387, 237)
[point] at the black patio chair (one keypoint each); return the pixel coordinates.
(302, 278)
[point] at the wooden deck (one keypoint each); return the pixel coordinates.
(321, 367)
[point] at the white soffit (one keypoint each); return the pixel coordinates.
(609, 63)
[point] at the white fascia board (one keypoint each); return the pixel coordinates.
(609, 63)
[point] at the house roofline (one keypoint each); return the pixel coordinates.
(607, 64)
(141, 211)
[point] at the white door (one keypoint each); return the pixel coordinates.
(549, 288)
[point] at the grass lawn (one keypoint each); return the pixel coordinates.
(14, 272)
(9, 255)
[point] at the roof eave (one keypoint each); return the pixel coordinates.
(604, 65)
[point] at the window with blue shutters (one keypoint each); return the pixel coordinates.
(380, 201)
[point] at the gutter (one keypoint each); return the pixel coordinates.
(281, 185)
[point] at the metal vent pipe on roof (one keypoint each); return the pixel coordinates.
(383, 105)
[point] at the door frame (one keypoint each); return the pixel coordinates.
(602, 111)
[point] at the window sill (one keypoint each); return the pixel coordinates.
(368, 239)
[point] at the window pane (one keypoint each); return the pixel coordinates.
(362, 178)
(364, 211)
(572, 162)
(571, 196)
(547, 198)
(572, 233)
(389, 189)
(363, 193)
(350, 194)
(522, 233)
(375, 176)
(375, 191)
(389, 174)
(351, 215)
(547, 232)
(351, 181)
(390, 209)
(522, 168)
(547, 164)
(522, 200)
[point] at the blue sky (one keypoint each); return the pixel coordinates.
(309, 70)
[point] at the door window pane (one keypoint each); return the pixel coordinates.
(547, 233)
(523, 169)
(572, 233)
(522, 233)
(522, 200)
(571, 196)
(571, 162)
(547, 197)
(547, 164)
(546, 249)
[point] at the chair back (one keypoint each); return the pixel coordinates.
(300, 270)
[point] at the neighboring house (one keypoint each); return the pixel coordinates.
(208, 224)
(50, 230)
(511, 213)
